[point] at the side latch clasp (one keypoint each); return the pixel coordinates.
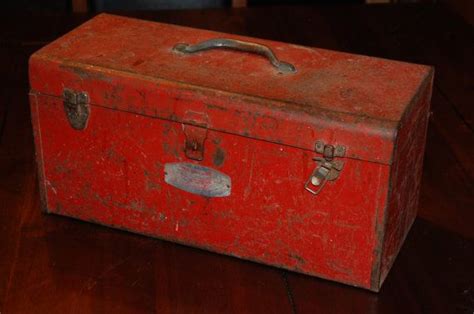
(327, 169)
(76, 107)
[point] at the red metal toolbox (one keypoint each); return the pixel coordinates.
(296, 157)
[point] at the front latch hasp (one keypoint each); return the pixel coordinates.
(76, 107)
(327, 169)
(195, 131)
(194, 144)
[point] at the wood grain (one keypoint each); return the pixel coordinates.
(80, 6)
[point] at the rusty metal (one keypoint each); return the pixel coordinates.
(195, 131)
(76, 107)
(352, 125)
(194, 144)
(326, 170)
(281, 66)
(329, 151)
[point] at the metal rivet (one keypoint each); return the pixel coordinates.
(328, 152)
(340, 151)
(319, 146)
(315, 181)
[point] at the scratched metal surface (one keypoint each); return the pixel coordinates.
(405, 182)
(129, 65)
(341, 82)
(113, 171)
(115, 176)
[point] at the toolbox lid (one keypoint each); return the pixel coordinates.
(131, 65)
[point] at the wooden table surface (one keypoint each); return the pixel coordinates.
(51, 264)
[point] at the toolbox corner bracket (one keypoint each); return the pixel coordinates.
(76, 107)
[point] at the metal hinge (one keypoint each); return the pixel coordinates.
(76, 107)
(328, 168)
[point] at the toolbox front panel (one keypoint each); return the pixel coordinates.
(113, 173)
(266, 119)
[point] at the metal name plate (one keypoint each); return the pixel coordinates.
(197, 179)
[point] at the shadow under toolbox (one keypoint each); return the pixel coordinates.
(301, 158)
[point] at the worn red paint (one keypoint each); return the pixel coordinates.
(261, 130)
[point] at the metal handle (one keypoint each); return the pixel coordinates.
(282, 67)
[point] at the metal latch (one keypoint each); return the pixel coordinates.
(327, 169)
(195, 135)
(76, 106)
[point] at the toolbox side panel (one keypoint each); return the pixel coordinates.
(113, 173)
(34, 107)
(405, 177)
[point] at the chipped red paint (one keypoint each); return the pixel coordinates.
(150, 105)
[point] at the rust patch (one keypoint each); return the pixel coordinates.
(346, 92)
(133, 205)
(138, 62)
(268, 123)
(114, 96)
(113, 155)
(105, 200)
(218, 157)
(136, 205)
(212, 106)
(87, 75)
(169, 129)
(162, 217)
(58, 207)
(346, 225)
(297, 258)
(378, 249)
(271, 208)
(151, 185)
(334, 265)
(167, 148)
(62, 169)
(151, 182)
(224, 214)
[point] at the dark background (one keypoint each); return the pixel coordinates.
(464, 8)
(98, 5)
